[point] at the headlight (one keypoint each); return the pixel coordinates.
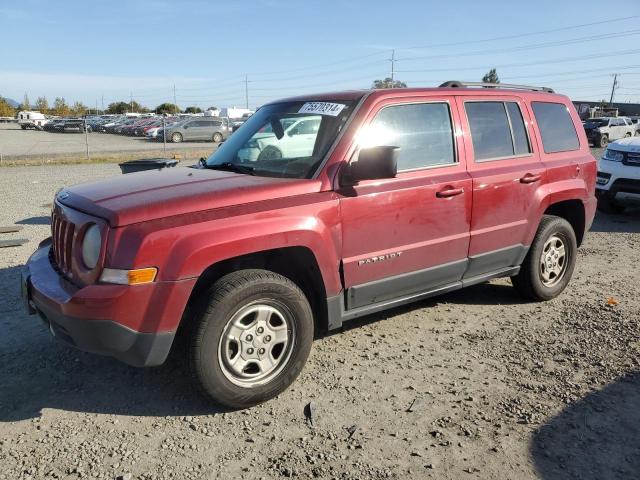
(613, 155)
(91, 245)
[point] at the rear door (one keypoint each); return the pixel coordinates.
(506, 173)
(408, 234)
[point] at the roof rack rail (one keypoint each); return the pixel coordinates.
(457, 84)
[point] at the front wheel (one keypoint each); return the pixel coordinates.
(176, 137)
(252, 337)
(549, 264)
(217, 137)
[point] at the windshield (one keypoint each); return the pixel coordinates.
(283, 139)
(598, 122)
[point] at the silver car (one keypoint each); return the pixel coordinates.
(208, 129)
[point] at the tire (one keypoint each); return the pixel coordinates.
(230, 312)
(627, 135)
(24, 127)
(531, 282)
(270, 153)
(609, 205)
(604, 141)
(176, 137)
(636, 133)
(217, 137)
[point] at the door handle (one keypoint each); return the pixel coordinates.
(449, 192)
(530, 178)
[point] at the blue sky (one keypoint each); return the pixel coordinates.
(87, 50)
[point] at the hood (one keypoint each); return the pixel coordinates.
(630, 144)
(144, 196)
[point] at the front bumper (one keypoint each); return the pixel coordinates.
(101, 319)
(623, 181)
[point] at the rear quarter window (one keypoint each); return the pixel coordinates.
(556, 127)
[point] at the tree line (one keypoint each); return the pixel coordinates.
(61, 108)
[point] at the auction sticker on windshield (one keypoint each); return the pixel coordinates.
(323, 108)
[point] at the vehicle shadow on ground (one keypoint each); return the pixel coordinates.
(626, 222)
(41, 220)
(596, 438)
(36, 373)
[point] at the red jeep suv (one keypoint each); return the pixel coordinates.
(318, 210)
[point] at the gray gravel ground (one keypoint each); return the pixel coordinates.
(474, 384)
(18, 143)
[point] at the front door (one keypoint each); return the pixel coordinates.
(409, 234)
(506, 175)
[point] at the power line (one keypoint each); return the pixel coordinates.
(570, 41)
(541, 62)
(521, 35)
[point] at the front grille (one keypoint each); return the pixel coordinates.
(632, 159)
(62, 235)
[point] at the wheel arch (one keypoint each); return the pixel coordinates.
(572, 211)
(297, 263)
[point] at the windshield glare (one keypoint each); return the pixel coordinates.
(279, 141)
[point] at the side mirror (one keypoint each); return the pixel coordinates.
(372, 164)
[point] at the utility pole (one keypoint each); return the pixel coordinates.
(246, 91)
(131, 104)
(175, 103)
(102, 103)
(613, 87)
(393, 64)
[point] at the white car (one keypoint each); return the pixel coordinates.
(618, 181)
(152, 132)
(297, 142)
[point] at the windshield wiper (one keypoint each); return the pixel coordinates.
(232, 167)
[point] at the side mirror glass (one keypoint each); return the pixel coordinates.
(372, 164)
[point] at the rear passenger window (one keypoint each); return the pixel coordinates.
(497, 130)
(423, 132)
(520, 139)
(556, 127)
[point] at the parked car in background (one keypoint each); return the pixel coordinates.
(210, 129)
(75, 125)
(54, 125)
(635, 120)
(618, 182)
(602, 130)
(404, 194)
(31, 119)
(298, 140)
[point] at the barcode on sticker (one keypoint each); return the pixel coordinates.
(323, 108)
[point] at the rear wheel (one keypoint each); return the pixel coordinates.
(548, 266)
(604, 141)
(176, 137)
(252, 337)
(217, 137)
(628, 134)
(24, 127)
